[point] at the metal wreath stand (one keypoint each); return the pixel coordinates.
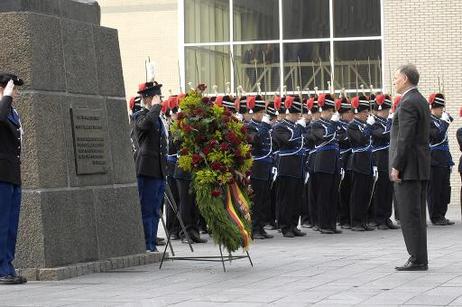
(222, 258)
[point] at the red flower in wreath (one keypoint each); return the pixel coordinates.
(224, 146)
(216, 166)
(187, 128)
(184, 151)
(232, 138)
(180, 115)
(196, 159)
(216, 193)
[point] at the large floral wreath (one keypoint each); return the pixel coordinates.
(214, 148)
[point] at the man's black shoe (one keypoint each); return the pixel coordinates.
(266, 235)
(21, 279)
(412, 266)
(307, 225)
(368, 228)
(358, 228)
(383, 227)
(298, 233)
(288, 234)
(175, 236)
(345, 226)
(258, 236)
(195, 237)
(315, 228)
(10, 280)
(390, 224)
(443, 222)
(160, 242)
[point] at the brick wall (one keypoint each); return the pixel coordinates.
(146, 28)
(428, 34)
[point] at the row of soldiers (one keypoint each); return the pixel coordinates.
(319, 161)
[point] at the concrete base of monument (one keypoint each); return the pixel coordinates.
(79, 269)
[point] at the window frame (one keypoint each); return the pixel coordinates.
(281, 41)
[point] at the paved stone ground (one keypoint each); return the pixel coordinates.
(352, 269)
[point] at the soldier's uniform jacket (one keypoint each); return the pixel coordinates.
(381, 142)
(288, 136)
(344, 144)
(172, 156)
(324, 134)
(310, 152)
(10, 140)
(151, 159)
(440, 155)
(262, 149)
(359, 133)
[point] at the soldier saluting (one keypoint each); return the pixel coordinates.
(151, 161)
(10, 178)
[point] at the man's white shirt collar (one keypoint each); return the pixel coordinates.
(408, 90)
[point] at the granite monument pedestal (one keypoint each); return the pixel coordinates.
(80, 201)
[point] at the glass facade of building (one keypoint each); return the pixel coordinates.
(282, 44)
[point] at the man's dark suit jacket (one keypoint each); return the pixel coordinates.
(410, 133)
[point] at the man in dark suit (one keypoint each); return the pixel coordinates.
(10, 178)
(410, 165)
(151, 160)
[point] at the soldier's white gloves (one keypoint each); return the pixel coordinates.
(239, 116)
(266, 119)
(307, 176)
(342, 174)
(335, 117)
(301, 122)
(8, 91)
(445, 117)
(370, 120)
(375, 172)
(274, 172)
(390, 116)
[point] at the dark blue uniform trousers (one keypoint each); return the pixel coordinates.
(151, 192)
(10, 201)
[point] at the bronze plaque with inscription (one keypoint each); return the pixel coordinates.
(89, 134)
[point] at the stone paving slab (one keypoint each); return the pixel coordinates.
(351, 269)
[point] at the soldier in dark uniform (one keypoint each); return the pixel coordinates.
(346, 117)
(10, 178)
(359, 133)
(259, 130)
(326, 173)
(288, 136)
(172, 223)
(151, 161)
(383, 192)
(310, 158)
(439, 187)
(309, 212)
(276, 119)
(308, 146)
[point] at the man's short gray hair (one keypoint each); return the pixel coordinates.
(411, 72)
